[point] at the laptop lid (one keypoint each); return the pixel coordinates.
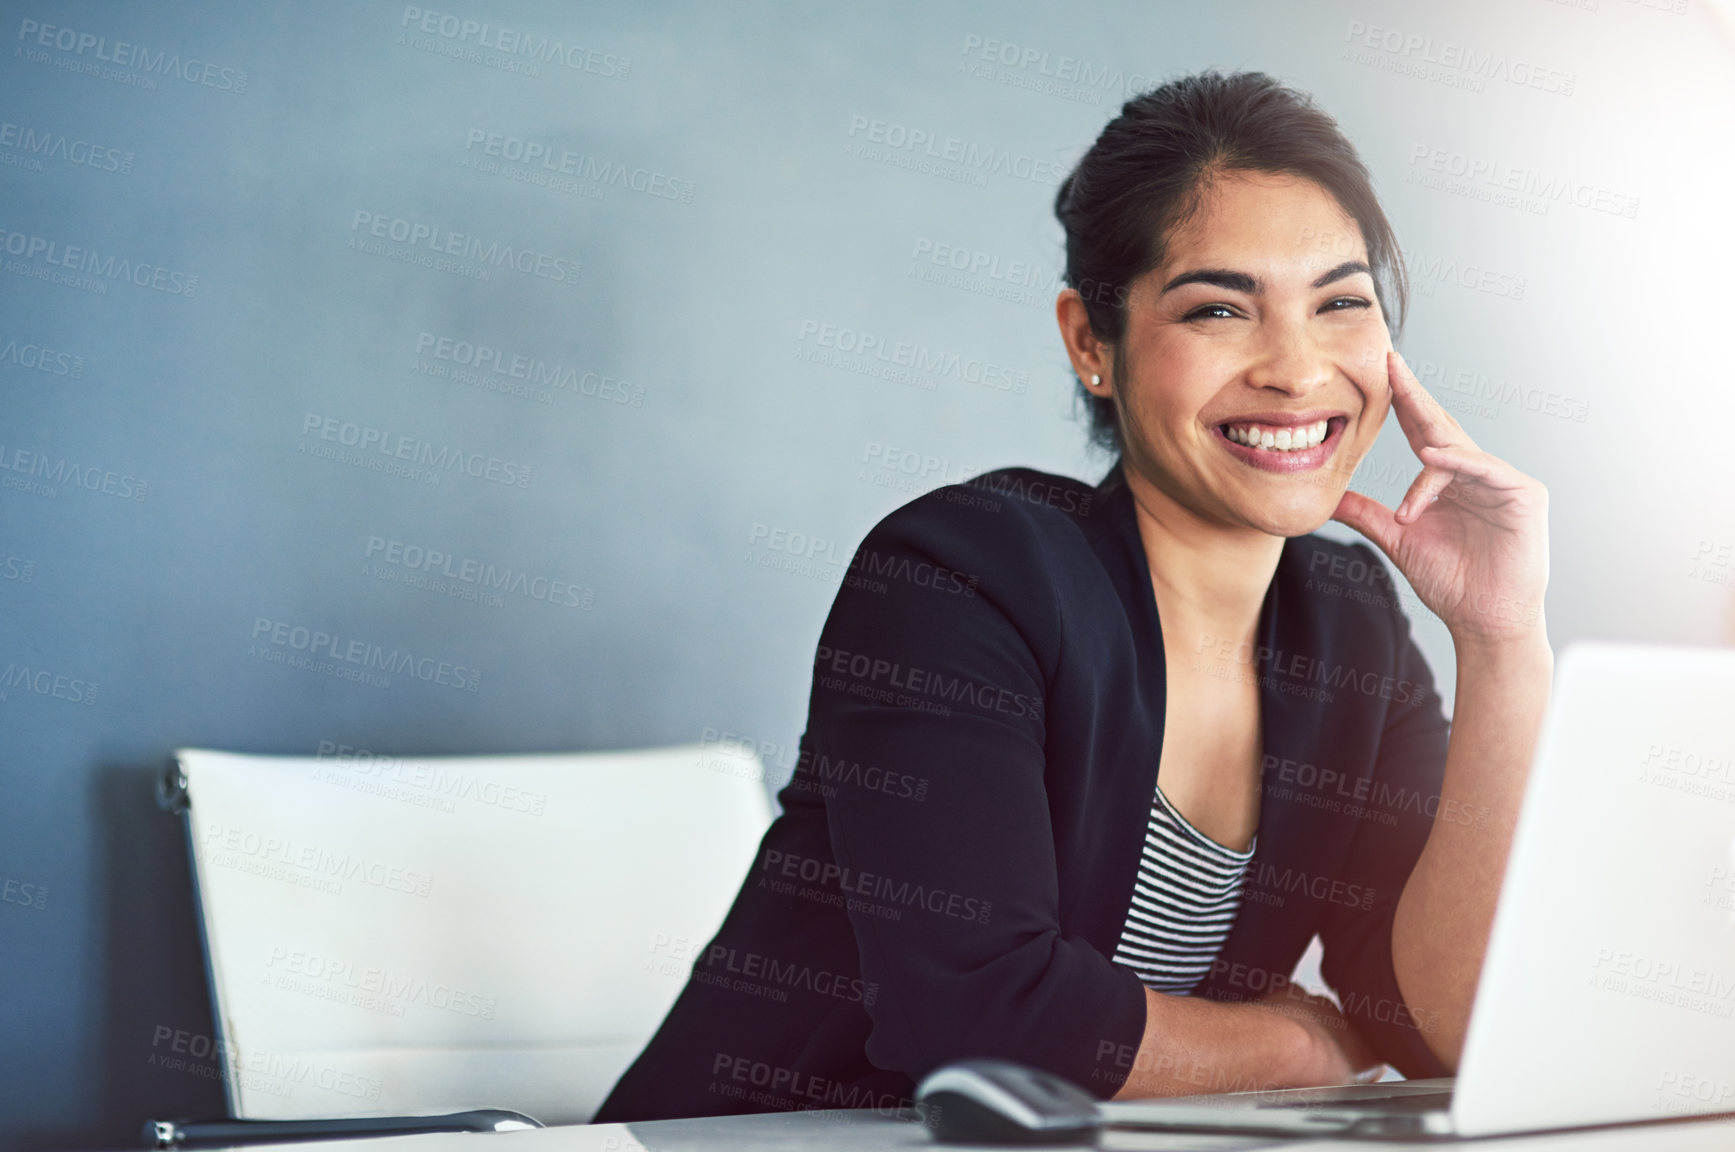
(1608, 991)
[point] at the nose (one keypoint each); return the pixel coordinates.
(1290, 361)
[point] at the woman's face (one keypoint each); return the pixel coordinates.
(1260, 327)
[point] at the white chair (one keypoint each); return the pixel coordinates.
(394, 937)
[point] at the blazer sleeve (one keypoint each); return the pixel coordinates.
(1409, 768)
(933, 664)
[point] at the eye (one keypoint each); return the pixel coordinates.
(1212, 312)
(1342, 303)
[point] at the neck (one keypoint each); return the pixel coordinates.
(1208, 576)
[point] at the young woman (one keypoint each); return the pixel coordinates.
(1087, 767)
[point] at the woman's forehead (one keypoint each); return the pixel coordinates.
(1276, 221)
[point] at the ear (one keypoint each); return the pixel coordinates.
(1090, 357)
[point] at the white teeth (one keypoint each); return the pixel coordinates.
(1289, 439)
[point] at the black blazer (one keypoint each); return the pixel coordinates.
(959, 841)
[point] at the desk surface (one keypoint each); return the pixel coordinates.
(868, 1131)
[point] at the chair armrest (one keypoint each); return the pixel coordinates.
(164, 1134)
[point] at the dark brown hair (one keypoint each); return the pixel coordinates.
(1146, 173)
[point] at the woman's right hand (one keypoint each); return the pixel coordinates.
(1338, 1055)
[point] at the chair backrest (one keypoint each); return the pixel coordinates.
(419, 935)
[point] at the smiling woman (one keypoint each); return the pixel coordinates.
(1158, 736)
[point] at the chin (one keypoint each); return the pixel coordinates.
(1294, 521)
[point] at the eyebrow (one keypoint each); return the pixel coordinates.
(1347, 268)
(1241, 282)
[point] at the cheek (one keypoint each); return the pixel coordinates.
(1369, 432)
(1362, 358)
(1361, 350)
(1173, 381)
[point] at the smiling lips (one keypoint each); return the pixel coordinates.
(1283, 445)
(1282, 437)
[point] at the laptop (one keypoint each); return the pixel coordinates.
(1607, 995)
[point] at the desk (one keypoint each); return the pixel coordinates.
(867, 1131)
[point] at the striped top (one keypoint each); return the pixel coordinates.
(1184, 902)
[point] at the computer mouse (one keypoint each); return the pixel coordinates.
(999, 1102)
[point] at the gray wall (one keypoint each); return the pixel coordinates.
(171, 498)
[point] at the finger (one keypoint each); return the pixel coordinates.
(1371, 518)
(1424, 490)
(1420, 416)
(1473, 462)
(1480, 483)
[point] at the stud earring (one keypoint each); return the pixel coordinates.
(1095, 379)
